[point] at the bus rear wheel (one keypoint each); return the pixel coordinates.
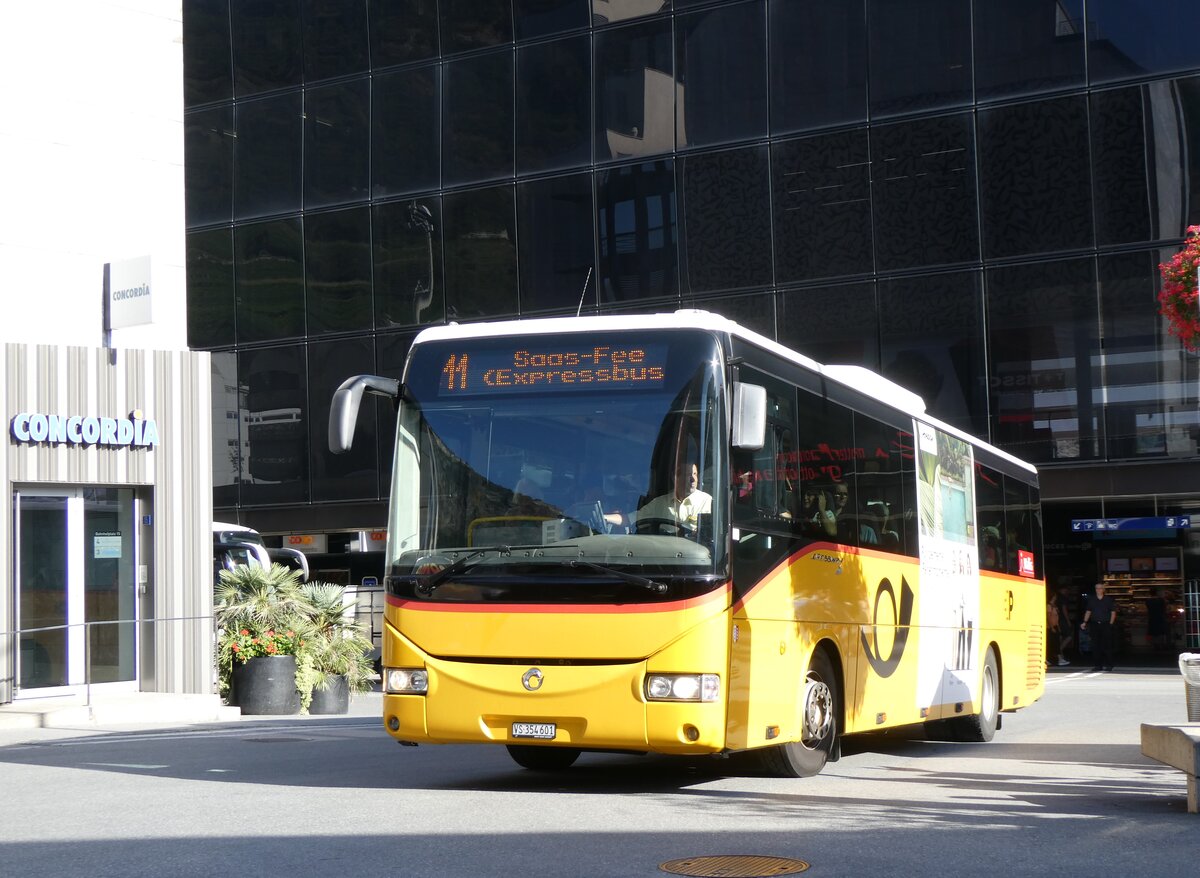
(982, 726)
(543, 758)
(818, 726)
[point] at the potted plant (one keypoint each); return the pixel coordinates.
(339, 650)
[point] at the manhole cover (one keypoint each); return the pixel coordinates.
(734, 866)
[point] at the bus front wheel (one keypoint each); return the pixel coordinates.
(543, 758)
(818, 726)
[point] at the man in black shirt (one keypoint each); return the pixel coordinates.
(1098, 620)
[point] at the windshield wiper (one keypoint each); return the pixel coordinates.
(435, 579)
(631, 578)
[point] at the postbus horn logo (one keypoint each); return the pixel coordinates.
(900, 621)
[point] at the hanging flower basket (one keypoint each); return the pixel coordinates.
(1178, 300)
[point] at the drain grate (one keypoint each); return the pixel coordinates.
(734, 866)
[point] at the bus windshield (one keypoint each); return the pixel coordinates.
(579, 468)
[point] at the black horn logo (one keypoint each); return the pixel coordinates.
(901, 620)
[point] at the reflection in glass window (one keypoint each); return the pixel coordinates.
(1027, 46)
(210, 300)
(539, 18)
(391, 351)
(402, 31)
(1034, 190)
(553, 106)
(920, 55)
(270, 280)
(207, 70)
(335, 38)
(273, 400)
(635, 209)
(837, 324)
(818, 63)
(885, 485)
(924, 192)
(337, 268)
(268, 159)
(474, 24)
(352, 475)
(720, 68)
(336, 162)
(933, 344)
(208, 166)
(227, 442)
(726, 220)
(407, 262)
(266, 45)
(1044, 363)
(1127, 40)
(477, 119)
(619, 10)
(822, 206)
(481, 254)
(635, 91)
(989, 500)
(1151, 381)
(404, 131)
(556, 239)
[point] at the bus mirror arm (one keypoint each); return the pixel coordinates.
(343, 412)
(749, 415)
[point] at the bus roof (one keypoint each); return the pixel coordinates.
(857, 378)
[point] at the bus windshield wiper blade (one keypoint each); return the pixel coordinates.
(632, 578)
(435, 579)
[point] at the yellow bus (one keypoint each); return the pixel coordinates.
(669, 534)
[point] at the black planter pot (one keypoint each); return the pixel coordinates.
(266, 685)
(334, 698)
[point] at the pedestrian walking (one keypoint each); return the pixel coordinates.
(1098, 621)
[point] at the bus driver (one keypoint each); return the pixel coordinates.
(683, 505)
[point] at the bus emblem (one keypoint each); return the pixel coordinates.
(532, 679)
(900, 621)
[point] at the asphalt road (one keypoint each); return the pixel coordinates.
(1062, 791)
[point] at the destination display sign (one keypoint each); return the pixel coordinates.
(557, 367)
(1083, 525)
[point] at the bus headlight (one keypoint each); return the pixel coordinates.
(406, 681)
(683, 687)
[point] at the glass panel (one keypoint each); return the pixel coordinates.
(822, 206)
(1127, 40)
(933, 344)
(832, 324)
(920, 55)
(335, 38)
(227, 449)
(755, 312)
(1027, 46)
(276, 461)
(604, 11)
(725, 240)
(635, 210)
(110, 584)
(352, 475)
(539, 18)
(266, 45)
(481, 253)
(925, 193)
(337, 269)
(392, 351)
(553, 107)
(336, 148)
(270, 280)
(474, 24)
(402, 30)
(635, 91)
(720, 68)
(556, 242)
(1034, 182)
(208, 166)
(884, 486)
(989, 501)
(42, 592)
(477, 119)
(1151, 381)
(818, 63)
(207, 62)
(210, 298)
(404, 132)
(407, 262)
(1044, 363)
(268, 157)
(824, 440)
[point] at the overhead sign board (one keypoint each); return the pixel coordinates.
(1169, 522)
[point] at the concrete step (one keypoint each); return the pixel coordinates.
(134, 708)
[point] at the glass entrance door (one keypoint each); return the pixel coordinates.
(76, 587)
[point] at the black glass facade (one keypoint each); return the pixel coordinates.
(971, 197)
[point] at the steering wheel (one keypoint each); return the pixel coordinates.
(656, 525)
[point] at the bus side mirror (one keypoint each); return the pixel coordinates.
(343, 412)
(749, 416)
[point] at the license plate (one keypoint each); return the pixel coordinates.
(534, 730)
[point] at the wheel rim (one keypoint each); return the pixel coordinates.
(818, 712)
(989, 694)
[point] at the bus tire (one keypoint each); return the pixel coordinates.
(982, 726)
(543, 758)
(819, 726)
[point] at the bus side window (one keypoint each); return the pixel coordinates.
(989, 499)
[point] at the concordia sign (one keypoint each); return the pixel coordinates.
(134, 431)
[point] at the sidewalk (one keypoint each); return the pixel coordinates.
(131, 708)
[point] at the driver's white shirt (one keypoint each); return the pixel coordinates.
(670, 508)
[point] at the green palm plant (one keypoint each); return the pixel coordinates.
(340, 644)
